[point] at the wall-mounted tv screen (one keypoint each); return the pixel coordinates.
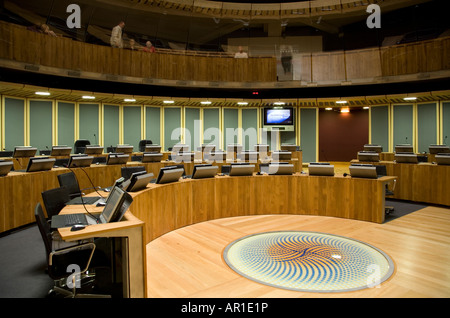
(278, 118)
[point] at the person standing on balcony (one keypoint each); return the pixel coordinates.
(116, 35)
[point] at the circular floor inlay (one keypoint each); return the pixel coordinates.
(308, 261)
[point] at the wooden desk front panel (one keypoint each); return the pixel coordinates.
(164, 208)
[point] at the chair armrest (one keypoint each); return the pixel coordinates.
(72, 248)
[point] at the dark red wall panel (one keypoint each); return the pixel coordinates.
(342, 135)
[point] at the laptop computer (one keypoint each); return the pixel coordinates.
(116, 206)
(5, 167)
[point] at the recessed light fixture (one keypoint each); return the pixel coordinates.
(328, 108)
(345, 110)
(88, 97)
(242, 103)
(205, 103)
(43, 93)
(410, 98)
(279, 103)
(366, 107)
(169, 102)
(129, 100)
(341, 102)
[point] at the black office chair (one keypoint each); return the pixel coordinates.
(128, 171)
(382, 171)
(55, 200)
(80, 145)
(70, 182)
(60, 261)
(6, 153)
(142, 144)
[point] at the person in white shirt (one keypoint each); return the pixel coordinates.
(116, 35)
(241, 54)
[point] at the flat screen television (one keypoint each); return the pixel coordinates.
(5, 167)
(61, 151)
(204, 171)
(80, 161)
(279, 118)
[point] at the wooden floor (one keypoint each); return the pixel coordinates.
(188, 262)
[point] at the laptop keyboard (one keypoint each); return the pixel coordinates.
(75, 219)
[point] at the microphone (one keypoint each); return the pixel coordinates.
(406, 140)
(445, 140)
(95, 139)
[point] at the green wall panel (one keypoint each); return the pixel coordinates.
(66, 124)
(446, 122)
(88, 123)
(230, 125)
(211, 126)
(192, 128)
(132, 126)
(308, 138)
(172, 127)
(380, 126)
(403, 124)
(111, 134)
(41, 124)
(249, 128)
(14, 123)
(426, 126)
(153, 124)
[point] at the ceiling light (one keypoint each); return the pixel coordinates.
(278, 103)
(328, 108)
(341, 102)
(205, 103)
(366, 107)
(88, 97)
(169, 102)
(345, 110)
(410, 98)
(43, 93)
(129, 100)
(242, 103)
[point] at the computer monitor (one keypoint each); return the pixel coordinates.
(24, 151)
(207, 148)
(321, 169)
(280, 169)
(169, 174)
(288, 147)
(183, 156)
(363, 171)
(138, 181)
(375, 148)
(152, 157)
(118, 203)
(152, 148)
(61, 151)
(5, 167)
(406, 158)
(368, 156)
(248, 155)
(93, 150)
(242, 170)
(436, 149)
(204, 171)
(117, 159)
(40, 164)
(216, 156)
(261, 148)
(443, 159)
(126, 149)
(237, 148)
(404, 148)
(281, 155)
(180, 147)
(80, 161)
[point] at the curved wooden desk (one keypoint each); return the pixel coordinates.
(159, 209)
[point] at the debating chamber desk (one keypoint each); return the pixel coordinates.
(161, 208)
